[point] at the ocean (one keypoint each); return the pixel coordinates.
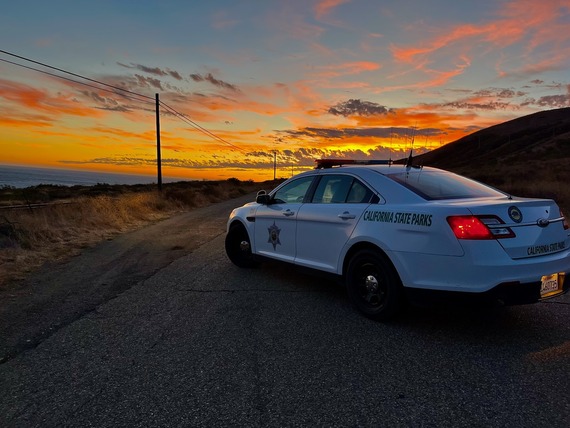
(24, 176)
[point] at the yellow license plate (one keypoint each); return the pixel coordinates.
(551, 285)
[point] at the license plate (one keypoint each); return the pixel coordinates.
(551, 285)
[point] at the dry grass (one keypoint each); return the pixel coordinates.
(30, 237)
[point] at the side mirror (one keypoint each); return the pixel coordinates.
(262, 198)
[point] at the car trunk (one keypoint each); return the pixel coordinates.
(537, 226)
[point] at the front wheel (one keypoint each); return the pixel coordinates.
(238, 247)
(373, 285)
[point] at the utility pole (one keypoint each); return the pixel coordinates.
(274, 164)
(158, 160)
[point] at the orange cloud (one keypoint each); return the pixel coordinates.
(272, 100)
(411, 54)
(540, 22)
(34, 99)
(123, 135)
(555, 62)
(545, 19)
(436, 78)
(11, 119)
(324, 7)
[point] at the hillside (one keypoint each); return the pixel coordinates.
(528, 156)
(543, 135)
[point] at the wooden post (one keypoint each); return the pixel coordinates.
(274, 164)
(158, 160)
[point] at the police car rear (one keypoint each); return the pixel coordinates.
(516, 249)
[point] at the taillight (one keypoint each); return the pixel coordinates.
(564, 221)
(469, 227)
(496, 226)
(478, 227)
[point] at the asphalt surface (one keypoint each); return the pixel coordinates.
(196, 341)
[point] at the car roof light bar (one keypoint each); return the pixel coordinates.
(329, 163)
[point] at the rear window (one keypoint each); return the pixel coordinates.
(434, 185)
(337, 189)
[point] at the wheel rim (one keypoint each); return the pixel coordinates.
(244, 247)
(238, 247)
(371, 287)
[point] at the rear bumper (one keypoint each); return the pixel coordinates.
(520, 294)
(507, 293)
(482, 269)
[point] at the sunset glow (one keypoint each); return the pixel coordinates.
(302, 79)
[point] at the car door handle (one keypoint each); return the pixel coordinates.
(346, 216)
(288, 213)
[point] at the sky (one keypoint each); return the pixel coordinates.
(244, 83)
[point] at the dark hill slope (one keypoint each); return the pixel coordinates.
(528, 156)
(539, 136)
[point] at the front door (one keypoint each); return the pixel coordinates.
(276, 223)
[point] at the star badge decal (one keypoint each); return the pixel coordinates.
(274, 235)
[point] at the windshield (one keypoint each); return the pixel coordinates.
(435, 185)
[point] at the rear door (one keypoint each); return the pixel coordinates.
(326, 223)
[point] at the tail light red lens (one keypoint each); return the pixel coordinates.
(478, 227)
(565, 221)
(469, 227)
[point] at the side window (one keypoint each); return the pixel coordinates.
(359, 193)
(333, 189)
(293, 192)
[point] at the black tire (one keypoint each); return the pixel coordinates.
(238, 247)
(374, 286)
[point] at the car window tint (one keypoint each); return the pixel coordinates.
(432, 185)
(333, 189)
(359, 193)
(294, 191)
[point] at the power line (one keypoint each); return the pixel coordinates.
(146, 99)
(199, 127)
(76, 75)
(75, 81)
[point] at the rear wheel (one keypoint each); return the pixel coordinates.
(374, 286)
(238, 247)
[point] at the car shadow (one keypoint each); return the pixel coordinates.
(472, 322)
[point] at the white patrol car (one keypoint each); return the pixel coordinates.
(388, 228)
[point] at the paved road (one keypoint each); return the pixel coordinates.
(58, 294)
(199, 342)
